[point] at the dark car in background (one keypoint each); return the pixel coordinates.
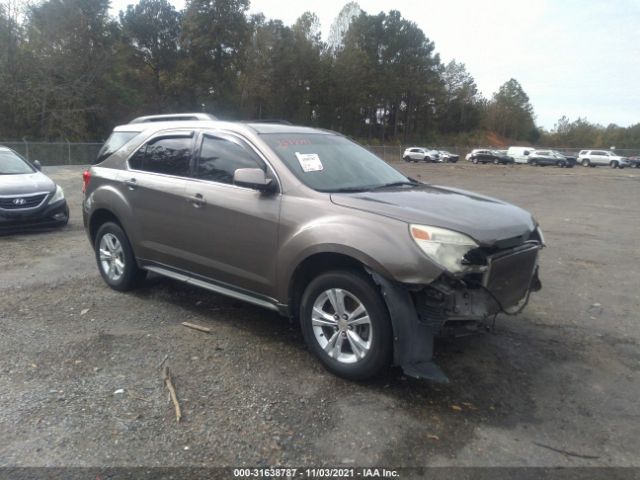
(550, 157)
(490, 156)
(571, 158)
(634, 162)
(28, 198)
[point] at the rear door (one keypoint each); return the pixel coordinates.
(233, 230)
(599, 157)
(155, 187)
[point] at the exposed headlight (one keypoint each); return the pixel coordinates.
(445, 247)
(58, 195)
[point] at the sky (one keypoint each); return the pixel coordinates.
(579, 58)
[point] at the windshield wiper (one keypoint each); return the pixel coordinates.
(395, 184)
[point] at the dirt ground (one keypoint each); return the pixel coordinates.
(555, 386)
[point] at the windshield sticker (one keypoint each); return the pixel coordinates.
(310, 162)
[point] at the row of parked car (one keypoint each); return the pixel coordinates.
(528, 155)
(586, 158)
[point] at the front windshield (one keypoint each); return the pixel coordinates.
(12, 164)
(331, 163)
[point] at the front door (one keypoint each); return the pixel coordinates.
(233, 235)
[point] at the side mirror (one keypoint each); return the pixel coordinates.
(37, 164)
(253, 178)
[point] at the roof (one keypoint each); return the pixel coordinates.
(260, 128)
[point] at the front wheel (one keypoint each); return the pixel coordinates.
(614, 164)
(346, 325)
(116, 261)
(474, 160)
(585, 162)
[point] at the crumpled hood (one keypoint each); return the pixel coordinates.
(484, 219)
(24, 184)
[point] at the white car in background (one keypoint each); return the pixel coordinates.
(592, 158)
(448, 157)
(421, 154)
(520, 154)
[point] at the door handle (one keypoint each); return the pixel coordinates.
(132, 184)
(197, 200)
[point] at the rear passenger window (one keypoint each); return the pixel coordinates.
(167, 155)
(220, 158)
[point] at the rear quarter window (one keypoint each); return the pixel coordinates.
(115, 141)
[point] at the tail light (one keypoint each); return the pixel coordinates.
(86, 176)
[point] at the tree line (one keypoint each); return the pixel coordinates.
(70, 71)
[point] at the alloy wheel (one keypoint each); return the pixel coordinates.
(341, 326)
(112, 257)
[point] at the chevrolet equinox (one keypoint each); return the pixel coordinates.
(372, 263)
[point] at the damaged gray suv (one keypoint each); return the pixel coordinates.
(372, 263)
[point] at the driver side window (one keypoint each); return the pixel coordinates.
(219, 158)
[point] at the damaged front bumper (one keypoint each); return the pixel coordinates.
(456, 305)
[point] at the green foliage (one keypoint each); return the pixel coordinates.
(509, 113)
(69, 71)
(582, 134)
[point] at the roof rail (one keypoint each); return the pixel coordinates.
(173, 117)
(267, 120)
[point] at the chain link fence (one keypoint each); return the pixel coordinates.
(56, 153)
(68, 153)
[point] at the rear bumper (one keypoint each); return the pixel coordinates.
(52, 216)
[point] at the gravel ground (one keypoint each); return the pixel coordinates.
(556, 386)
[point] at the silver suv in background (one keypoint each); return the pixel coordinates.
(305, 222)
(593, 158)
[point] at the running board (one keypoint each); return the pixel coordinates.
(212, 287)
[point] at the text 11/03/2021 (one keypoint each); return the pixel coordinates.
(321, 472)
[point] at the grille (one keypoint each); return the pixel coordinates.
(21, 202)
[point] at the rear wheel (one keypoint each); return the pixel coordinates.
(614, 164)
(346, 325)
(496, 161)
(474, 160)
(116, 261)
(585, 162)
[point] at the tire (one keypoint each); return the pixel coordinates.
(614, 164)
(406, 159)
(496, 161)
(560, 164)
(585, 162)
(365, 349)
(474, 160)
(112, 243)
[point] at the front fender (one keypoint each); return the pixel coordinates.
(380, 243)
